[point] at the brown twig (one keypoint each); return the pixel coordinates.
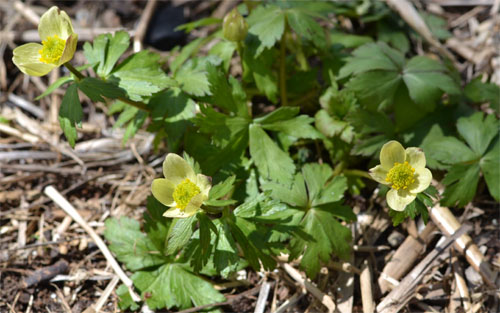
(400, 295)
(45, 273)
(448, 224)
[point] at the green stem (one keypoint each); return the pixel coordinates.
(239, 49)
(137, 104)
(338, 168)
(73, 70)
(357, 173)
(283, 94)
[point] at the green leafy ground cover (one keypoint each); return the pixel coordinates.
(285, 141)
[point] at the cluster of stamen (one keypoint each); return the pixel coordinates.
(184, 192)
(401, 176)
(53, 48)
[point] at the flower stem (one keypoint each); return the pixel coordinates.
(283, 94)
(73, 70)
(138, 104)
(239, 49)
(357, 173)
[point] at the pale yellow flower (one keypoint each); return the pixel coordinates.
(181, 189)
(404, 171)
(58, 45)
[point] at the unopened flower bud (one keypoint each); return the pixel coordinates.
(234, 26)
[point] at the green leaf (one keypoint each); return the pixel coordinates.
(222, 127)
(371, 146)
(96, 89)
(220, 90)
(179, 233)
(141, 75)
(222, 188)
(378, 71)
(372, 56)
(250, 207)
(125, 116)
(254, 246)
(206, 227)
(328, 125)
(106, 51)
(349, 40)
(367, 122)
(449, 150)
(134, 126)
(272, 162)
(193, 77)
(412, 210)
(299, 127)
(305, 25)
(131, 246)
(117, 45)
(70, 114)
(393, 35)
(188, 27)
(316, 175)
(426, 78)
(219, 203)
(126, 301)
(296, 196)
(187, 51)
(226, 259)
(437, 25)
(479, 92)
(333, 191)
(58, 83)
(96, 53)
(172, 111)
(461, 184)
(325, 236)
(259, 67)
(280, 114)
(172, 285)
(375, 87)
(490, 166)
(225, 51)
(155, 224)
(268, 24)
(478, 131)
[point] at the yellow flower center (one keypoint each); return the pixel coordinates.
(401, 175)
(53, 48)
(184, 192)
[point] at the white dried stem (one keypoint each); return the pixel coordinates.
(53, 194)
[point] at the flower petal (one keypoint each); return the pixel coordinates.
(55, 22)
(163, 190)
(423, 177)
(391, 153)
(176, 169)
(195, 204)
(379, 174)
(399, 199)
(204, 183)
(69, 49)
(177, 213)
(415, 157)
(27, 59)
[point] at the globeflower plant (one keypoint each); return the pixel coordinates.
(58, 45)
(404, 171)
(181, 189)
